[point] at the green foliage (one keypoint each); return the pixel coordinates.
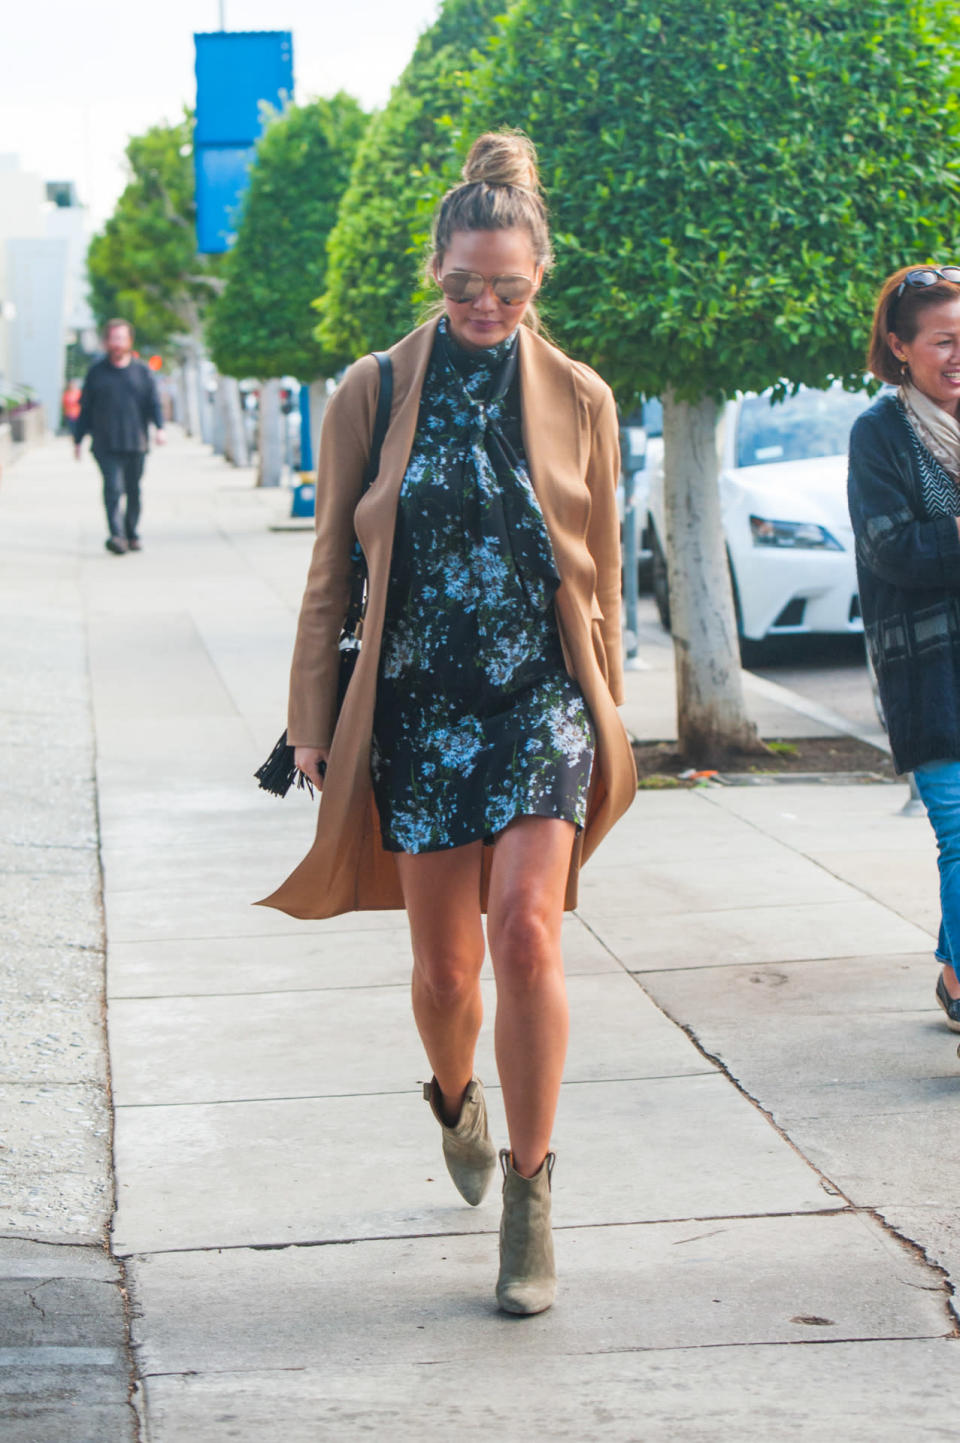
(144, 264)
(403, 166)
(263, 323)
(730, 181)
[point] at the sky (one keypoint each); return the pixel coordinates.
(77, 79)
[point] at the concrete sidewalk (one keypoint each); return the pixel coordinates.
(755, 1132)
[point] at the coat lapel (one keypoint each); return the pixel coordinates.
(376, 513)
(552, 440)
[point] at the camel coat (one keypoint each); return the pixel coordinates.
(570, 435)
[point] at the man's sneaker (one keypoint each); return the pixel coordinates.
(116, 544)
(950, 1005)
(134, 544)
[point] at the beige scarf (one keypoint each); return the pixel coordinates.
(937, 429)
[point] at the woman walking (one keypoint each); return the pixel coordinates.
(904, 492)
(478, 757)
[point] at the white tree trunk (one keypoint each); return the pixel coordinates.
(219, 421)
(271, 435)
(231, 411)
(191, 405)
(204, 409)
(711, 716)
(176, 395)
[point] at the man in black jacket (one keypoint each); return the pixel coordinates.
(118, 403)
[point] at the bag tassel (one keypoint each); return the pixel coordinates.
(279, 771)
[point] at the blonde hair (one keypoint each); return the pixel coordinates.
(503, 157)
(500, 191)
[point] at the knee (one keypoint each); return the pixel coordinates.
(524, 943)
(446, 980)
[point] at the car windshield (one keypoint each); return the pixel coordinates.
(809, 424)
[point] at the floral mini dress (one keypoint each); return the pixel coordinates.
(477, 721)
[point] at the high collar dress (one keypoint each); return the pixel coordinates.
(477, 721)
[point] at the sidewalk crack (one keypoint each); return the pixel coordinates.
(921, 1253)
(134, 1385)
(32, 1292)
(945, 1285)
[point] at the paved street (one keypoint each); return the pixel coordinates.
(756, 1179)
(827, 670)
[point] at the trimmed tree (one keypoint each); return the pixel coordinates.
(374, 281)
(144, 264)
(730, 182)
(263, 324)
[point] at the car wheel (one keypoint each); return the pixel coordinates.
(660, 580)
(752, 652)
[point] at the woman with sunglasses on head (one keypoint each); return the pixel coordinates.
(904, 493)
(478, 757)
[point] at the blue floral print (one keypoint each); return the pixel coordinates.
(477, 721)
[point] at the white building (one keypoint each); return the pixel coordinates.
(43, 305)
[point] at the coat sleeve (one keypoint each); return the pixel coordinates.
(603, 535)
(893, 542)
(344, 447)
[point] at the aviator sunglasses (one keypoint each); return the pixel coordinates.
(928, 276)
(468, 286)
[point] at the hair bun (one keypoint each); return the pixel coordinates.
(503, 158)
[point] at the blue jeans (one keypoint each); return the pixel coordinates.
(939, 785)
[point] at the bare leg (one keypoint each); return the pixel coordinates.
(441, 892)
(528, 880)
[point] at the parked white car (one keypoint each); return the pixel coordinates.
(783, 496)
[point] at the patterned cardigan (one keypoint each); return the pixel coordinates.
(903, 507)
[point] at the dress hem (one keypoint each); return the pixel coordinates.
(487, 838)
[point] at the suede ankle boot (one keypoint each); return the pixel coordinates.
(528, 1274)
(470, 1155)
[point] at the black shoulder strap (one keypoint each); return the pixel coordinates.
(381, 420)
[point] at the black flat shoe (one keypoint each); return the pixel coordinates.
(950, 1005)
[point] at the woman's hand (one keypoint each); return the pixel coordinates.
(312, 761)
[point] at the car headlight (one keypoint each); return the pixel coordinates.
(796, 535)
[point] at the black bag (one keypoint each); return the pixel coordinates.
(279, 772)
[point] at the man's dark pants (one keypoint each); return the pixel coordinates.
(121, 471)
